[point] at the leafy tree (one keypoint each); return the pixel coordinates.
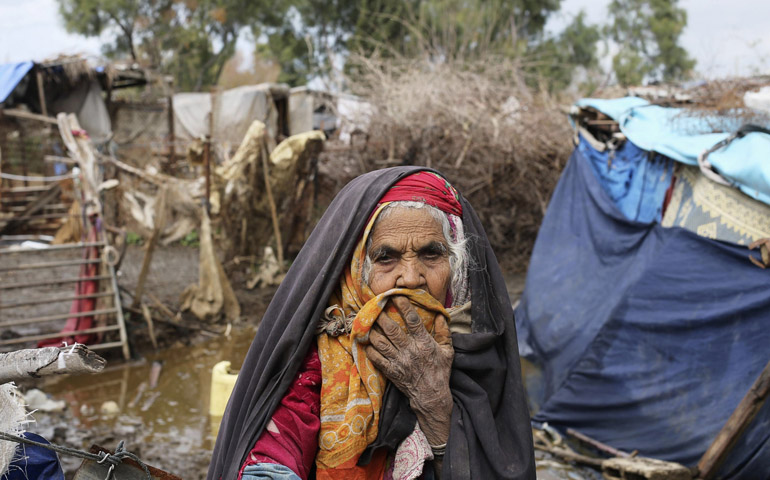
(555, 60)
(316, 31)
(92, 17)
(190, 39)
(647, 33)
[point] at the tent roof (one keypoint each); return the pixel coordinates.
(10, 76)
(681, 136)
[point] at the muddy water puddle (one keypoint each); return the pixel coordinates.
(166, 420)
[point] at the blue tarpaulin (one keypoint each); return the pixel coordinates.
(33, 462)
(10, 76)
(683, 136)
(648, 337)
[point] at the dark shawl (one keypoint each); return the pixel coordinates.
(490, 435)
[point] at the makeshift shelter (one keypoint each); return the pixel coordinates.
(226, 116)
(641, 303)
(33, 161)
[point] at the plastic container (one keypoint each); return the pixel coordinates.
(222, 383)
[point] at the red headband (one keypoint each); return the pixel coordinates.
(425, 187)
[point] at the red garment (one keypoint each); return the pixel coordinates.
(426, 187)
(291, 435)
(83, 288)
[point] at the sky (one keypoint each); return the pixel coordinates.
(727, 38)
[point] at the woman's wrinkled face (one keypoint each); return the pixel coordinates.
(408, 250)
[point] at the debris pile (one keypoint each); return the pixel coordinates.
(499, 142)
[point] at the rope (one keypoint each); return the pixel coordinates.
(101, 458)
(11, 176)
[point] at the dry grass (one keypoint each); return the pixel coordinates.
(499, 142)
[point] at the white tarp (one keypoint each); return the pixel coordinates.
(301, 109)
(353, 115)
(87, 103)
(235, 110)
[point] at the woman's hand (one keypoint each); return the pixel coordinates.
(418, 365)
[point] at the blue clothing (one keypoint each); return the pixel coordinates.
(268, 471)
(34, 463)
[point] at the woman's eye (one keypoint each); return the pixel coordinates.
(385, 259)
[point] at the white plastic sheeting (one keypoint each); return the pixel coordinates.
(86, 101)
(353, 115)
(234, 112)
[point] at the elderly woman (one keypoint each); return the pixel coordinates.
(389, 351)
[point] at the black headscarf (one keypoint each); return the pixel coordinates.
(490, 436)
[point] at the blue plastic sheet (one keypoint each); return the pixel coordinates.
(682, 136)
(635, 180)
(10, 76)
(648, 337)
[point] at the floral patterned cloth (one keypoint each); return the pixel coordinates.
(351, 393)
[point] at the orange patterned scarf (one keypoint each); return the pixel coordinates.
(352, 388)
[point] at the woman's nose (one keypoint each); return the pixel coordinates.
(411, 276)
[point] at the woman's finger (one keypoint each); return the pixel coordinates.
(392, 331)
(381, 343)
(409, 314)
(442, 335)
(377, 359)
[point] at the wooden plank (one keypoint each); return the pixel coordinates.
(37, 266)
(732, 430)
(34, 338)
(16, 113)
(61, 316)
(33, 207)
(104, 346)
(25, 189)
(47, 216)
(53, 206)
(52, 282)
(68, 298)
(53, 248)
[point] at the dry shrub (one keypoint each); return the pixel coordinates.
(501, 144)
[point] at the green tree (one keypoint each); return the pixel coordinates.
(316, 31)
(125, 17)
(555, 60)
(647, 34)
(190, 39)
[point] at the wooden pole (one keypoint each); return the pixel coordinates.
(171, 135)
(207, 171)
(16, 113)
(160, 207)
(41, 94)
(603, 447)
(273, 210)
(23, 150)
(37, 362)
(742, 416)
